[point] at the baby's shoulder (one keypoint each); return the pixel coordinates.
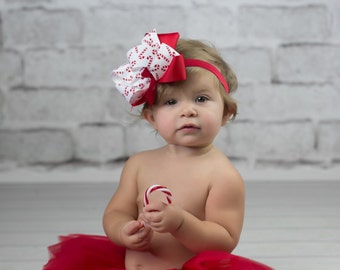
(136, 162)
(143, 157)
(224, 169)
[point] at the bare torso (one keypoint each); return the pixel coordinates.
(189, 191)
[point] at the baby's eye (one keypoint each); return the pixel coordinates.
(171, 102)
(201, 99)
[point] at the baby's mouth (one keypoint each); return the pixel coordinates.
(189, 127)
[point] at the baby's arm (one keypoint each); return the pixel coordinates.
(223, 222)
(120, 219)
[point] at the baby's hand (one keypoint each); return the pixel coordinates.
(136, 236)
(162, 217)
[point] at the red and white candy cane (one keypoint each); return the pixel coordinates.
(154, 188)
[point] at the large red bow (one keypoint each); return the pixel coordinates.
(154, 61)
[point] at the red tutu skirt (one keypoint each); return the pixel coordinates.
(93, 252)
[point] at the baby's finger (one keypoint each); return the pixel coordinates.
(154, 207)
(153, 218)
(133, 227)
(143, 237)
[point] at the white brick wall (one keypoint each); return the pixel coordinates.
(58, 105)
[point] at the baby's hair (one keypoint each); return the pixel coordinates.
(198, 50)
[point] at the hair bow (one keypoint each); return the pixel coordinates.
(153, 61)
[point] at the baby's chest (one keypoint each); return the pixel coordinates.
(190, 195)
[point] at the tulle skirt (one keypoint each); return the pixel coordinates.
(93, 252)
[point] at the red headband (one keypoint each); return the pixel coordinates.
(155, 61)
(190, 62)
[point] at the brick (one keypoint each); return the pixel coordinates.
(126, 26)
(335, 10)
(236, 139)
(273, 140)
(251, 65)
(307, 63)
(288, 23)
(1, 36)
(10, 69)
(40, 27)
(70, 68)
(222, 19)
(2, 106)
(245, 97)
(141, 136)
(120, 111)
(279, 165)
(56, 106)
(100, 143)
(329, 139)
(136, 4)
(35, 146)
(288, 102)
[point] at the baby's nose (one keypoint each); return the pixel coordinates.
(188, 110)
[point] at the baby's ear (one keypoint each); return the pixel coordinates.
(226, 117)
(148, 116)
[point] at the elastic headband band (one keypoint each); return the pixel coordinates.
(190, 62)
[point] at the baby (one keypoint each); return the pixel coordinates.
(208, 193)
(180, 206)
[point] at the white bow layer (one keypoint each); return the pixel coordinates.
(152, 55)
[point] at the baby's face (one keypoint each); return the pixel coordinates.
(189, 113)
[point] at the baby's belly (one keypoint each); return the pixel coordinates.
(166, 253)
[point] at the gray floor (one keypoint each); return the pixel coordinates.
(288, 225)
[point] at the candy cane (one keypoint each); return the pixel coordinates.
(153, 188)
